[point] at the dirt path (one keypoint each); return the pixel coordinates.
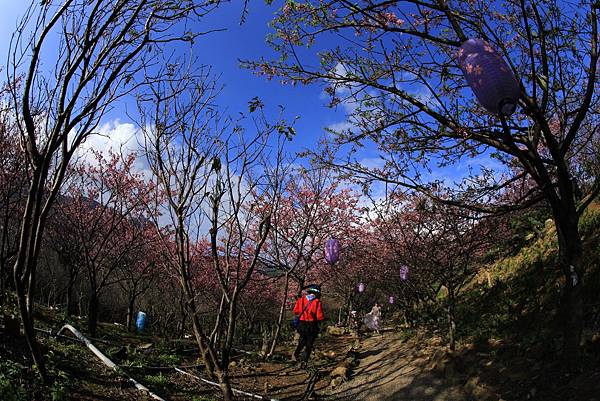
(393, 370)
(285, 380)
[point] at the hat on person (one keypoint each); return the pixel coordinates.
(313, 288)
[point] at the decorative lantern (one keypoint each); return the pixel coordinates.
(404, 273)
(489, 76)
(391, 299)
(332, 251)
(361, 287)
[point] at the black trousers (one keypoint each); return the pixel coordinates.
(309, 331)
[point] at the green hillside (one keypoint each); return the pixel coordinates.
(526, 287)
(509, 320)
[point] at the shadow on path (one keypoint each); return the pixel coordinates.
(391, 370)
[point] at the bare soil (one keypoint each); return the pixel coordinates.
(391, 366)
(392, 369)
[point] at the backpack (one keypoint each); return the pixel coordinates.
(295, 323)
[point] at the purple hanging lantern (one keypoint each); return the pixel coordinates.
(332, 251)
(404, 273)
(489, 76)
(391, 299)
(361, 287)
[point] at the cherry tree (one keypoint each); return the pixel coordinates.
(104, 206)
(394, 63)
(140, 267)
(182, 140)
(76, 59)
(443, 246)
(62, 240)
(362, 259)
(216, 179)
(293, 241)
(13, 181)
(311, 209)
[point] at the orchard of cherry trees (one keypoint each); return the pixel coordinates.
(214, 223)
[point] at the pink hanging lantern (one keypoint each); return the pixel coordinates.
(489, 76)
(404, 273)
(391, 300)
(361, 287)
(332, 251)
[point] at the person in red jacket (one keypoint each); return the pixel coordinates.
(310, 310)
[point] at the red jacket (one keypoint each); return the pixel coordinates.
(312, 313)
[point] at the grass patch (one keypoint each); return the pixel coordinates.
(523, 302)
(168, 359)
(158, 380)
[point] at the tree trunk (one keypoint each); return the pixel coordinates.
(280, 317)
(223, 374)
(130, 306)
(450, 310)
(231, 326)
(4, 270)
(80, 303)
(30, 294)
(265, 349)
(570, 262)
(215, 335)
(29, 333)
(30, 235)
(183, 314)
(2, 290)
(93, 313)
(70, 310)
(208, 354)
(225, 386)
(349, 314)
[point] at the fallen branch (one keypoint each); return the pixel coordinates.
(243, 351)
(310, 388)
(107, 361)
(260, 397)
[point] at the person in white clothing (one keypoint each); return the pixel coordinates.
(373, 319)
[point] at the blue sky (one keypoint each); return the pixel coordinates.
(247, 42)
(222, 50)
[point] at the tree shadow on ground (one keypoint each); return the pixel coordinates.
(392, 369)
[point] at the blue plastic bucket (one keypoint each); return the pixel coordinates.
(140, 322)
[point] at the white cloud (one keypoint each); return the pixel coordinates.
(113, 135)
(476, 164)
(341, 126)
(343, 91)
(372, 162)
(119, 137)
(340, 70)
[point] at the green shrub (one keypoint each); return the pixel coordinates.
(168, 359)
(58, 391)
(158, 380)
(12, 387)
